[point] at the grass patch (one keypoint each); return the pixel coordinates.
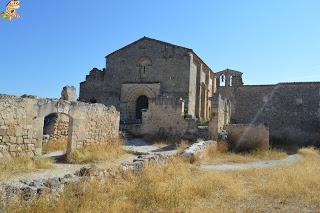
(179, 187)
(183, 145)
(55, 145)
(18, 165)
(97, 152)
(217, 154)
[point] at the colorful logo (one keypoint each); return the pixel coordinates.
(11, 10)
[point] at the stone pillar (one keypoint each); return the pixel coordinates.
(227, 80)
(69, 94)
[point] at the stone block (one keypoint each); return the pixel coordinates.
(19, 140)
(12, 148)
(30, 147)
(3, 131)
(19, 131)
(69, 93)
(3, 148)
(27, 141)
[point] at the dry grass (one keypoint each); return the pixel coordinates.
(55, 145)
(220, 154)
(183, 145)
(179, 187)
(97, 152)
(18, 165)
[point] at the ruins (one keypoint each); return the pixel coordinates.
(162, 88)
(22, 122)
(151, 87)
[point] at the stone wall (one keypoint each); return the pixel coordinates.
(290, 110)
(22, 121)
(243, 137)
(165, 120)
(149, 61)
(220, 116)
(56, 126)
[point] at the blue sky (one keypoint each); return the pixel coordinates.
(56, 43)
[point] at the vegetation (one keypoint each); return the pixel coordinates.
(220, 154)
(55, 145)
(179, 187)
(17, 165)
(97, 152)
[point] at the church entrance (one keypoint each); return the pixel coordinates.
(142, 104)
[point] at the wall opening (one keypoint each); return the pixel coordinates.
(222, 80)
(142, 104)
(56, 133)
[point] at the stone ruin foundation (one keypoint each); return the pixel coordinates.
(22, 124)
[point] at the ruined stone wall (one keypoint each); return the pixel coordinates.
(22, 121)
(220, 115)
(290, 110)
(56, 126)
(166, 120)
(203, 88)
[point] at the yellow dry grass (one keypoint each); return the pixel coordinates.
(179, 187)
(18, 165)
(220, 154)
(183, 145)
(55, 145)
(97, 152)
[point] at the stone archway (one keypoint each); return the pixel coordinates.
(57, 132)
(130, 94)
(142, 104)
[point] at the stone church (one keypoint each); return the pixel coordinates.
(162, 88)
(150, 70)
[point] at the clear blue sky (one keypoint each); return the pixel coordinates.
(57, 42)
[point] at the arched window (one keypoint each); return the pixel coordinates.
(222, 80)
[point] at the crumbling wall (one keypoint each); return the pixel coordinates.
(22, 121)
(166, 120)
(242, 137)
(220, 117)
(290, 110)
(56, 127)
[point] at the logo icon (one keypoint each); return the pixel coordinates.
(11, 10)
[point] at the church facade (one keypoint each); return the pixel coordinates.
(150, 70)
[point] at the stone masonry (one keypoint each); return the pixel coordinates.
(291, 111)
(22, 121)
(56, 127)
(154, 69)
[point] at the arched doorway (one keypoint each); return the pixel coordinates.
(142, 103)
(57, 131)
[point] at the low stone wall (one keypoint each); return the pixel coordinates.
(243, 137)
(22, 121)
(167, 121)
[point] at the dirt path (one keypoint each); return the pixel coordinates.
(253, 165)
(137, 146)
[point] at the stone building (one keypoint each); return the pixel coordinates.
(149, 70)
(291, 111)
(157, 85)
